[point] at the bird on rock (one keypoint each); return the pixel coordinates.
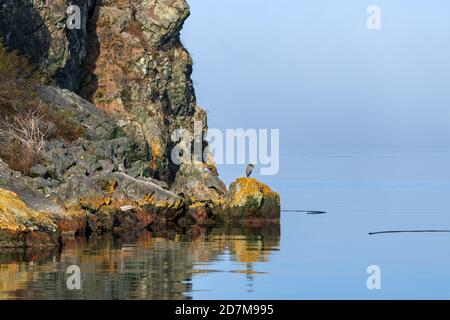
(249, 170)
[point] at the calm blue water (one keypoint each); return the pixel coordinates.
(363, 190)
(306, 257)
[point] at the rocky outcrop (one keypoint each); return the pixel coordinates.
(247, 200)
(127, 59)
(21, 226)
(123, 80)
(84, 185)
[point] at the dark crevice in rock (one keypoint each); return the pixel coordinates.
(22, 28)
(89, 81)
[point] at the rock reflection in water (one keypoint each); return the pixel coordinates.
(135, 266)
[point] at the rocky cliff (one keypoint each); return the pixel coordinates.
(124, 79)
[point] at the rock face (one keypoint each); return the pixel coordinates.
(139, 72)
(37, 28)
(198, 184)
(123, 79)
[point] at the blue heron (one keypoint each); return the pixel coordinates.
(249, 170)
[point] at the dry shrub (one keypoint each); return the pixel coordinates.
(26, 123)
(20, 156)
(24, 136)
(17, 158)
(28, 129)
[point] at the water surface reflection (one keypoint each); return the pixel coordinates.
(136, 266)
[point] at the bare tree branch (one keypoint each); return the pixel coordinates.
(27, 129)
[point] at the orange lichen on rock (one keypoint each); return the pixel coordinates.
(94, 203)
(21, 226)
(15, 215)
(250, 188)
(156, 154)
(250, 199)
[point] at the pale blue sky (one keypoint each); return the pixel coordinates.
(313, 69)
